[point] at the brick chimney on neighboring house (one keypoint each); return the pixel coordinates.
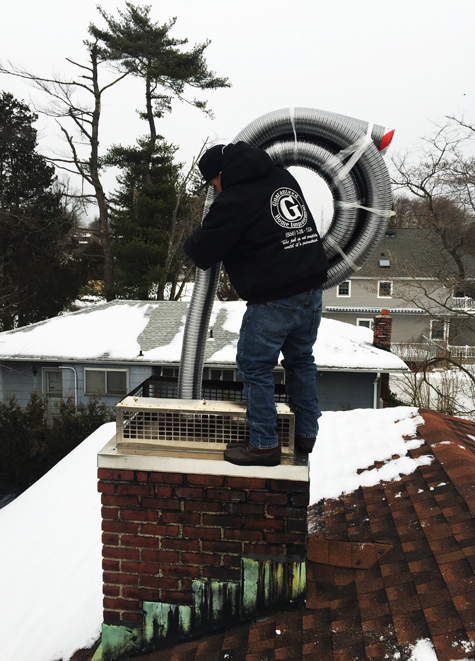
(382, 340)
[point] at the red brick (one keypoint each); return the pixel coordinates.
(120, 604)
(135, 489)
(164, 492)
(271, 498)
(110, 540)
(244, 535)
(300, 500)
(181, 517)
(226, 495)
(287, 512)
(206, 480)
(159, 556)
(222, 573)
(204, 506)
(118, 552)
(263, 524)
(189, 492)
(177, 597)
(140, 567)
(105, 487)
(141, 476)
(232, 561)
(246, 483)
(263, 549)
(221, 520)
(120, 526)
(111, 590)
(119, 501)
(222, 547)
(144, 594)
(283, 538)
(159, 582)
(120, 579)
(110, 513)
(140, 542)
(166, 478)
(200, 558)
(127, 617)
(159, 530)
(186, 585)
(289, 485)
(108, 474)
(138, 515)
(111, 617)
(180, 571)
(202, 533)
(181, 544)
(111, 565)
(161, 503)
(293, 525)
(246, 508)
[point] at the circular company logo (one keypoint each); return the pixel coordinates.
(287, 208)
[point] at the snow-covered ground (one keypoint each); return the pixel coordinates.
(50, 556)
(450, 391)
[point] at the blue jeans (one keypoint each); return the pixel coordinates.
(289, 325)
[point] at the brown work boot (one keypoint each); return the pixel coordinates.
(305, 444)
(248, 455)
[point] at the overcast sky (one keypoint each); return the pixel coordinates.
(402, 64)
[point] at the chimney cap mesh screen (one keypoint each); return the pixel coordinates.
(192, 424)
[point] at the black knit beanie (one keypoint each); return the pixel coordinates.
(211, 163)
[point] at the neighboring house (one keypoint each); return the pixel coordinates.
(414, 277)
(110, 349)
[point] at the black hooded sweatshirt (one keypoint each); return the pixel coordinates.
(261, 228)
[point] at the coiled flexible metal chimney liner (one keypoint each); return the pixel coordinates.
(346, 153)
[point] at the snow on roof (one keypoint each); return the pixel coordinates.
(50, 556)
(118, 331)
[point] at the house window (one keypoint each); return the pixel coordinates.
(385, 289)
(344, 289)
(105, 382)
(169, 371)
(367, 323)
(438, 329)
(222, 375)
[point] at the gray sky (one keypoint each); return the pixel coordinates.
(401, 64)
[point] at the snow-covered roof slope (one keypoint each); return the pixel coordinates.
(119, 331)
(50, 560)
(50, 556)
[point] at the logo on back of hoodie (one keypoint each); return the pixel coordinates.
(287, 208)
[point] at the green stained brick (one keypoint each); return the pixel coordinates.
(117, 641)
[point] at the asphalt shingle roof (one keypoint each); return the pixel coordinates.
(413, 252)
(388, 566)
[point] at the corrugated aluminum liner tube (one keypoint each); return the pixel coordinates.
(347, 154)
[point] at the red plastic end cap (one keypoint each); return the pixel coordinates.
(386, 141)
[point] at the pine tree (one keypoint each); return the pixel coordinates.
(39, 273)
(153, 191)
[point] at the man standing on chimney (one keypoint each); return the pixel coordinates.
(262, 230)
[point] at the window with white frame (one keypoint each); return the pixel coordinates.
(438, 329)
(366, 322)
(344, 289)
(105, 382)
(385, 289)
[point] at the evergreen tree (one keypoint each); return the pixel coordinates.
(142, 217)
(153, 192)
(39, 273)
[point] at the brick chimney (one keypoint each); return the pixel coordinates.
(382, 331)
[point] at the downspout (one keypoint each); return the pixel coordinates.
(75, 384)
(375, 391)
